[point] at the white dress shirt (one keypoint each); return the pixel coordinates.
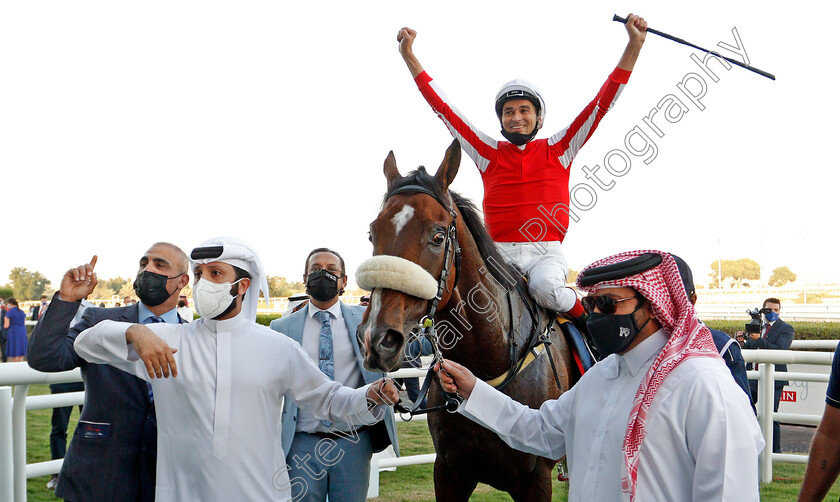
(219, 427)
(347, 371)
(702, 440)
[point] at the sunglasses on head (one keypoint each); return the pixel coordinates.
(604, 303)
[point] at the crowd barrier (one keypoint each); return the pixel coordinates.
(15, 379)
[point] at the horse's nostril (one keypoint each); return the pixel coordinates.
(392, 341)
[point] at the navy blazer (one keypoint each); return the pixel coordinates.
(779, 337)
(114, 459)
(734, 360)
(292, 326)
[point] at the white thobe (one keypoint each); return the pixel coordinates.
(702, 439)
(219, 427)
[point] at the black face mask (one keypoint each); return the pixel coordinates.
(519, 139)
(613, 333)
(151, 288)
(322, 285)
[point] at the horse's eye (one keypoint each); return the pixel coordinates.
(438, 239)
(370, 236)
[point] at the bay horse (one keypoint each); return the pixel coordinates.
(425, 233)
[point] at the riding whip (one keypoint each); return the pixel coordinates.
(681, 41)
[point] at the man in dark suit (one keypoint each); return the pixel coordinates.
(326, 329)
(113, 452)
(775, 334)
(2, 329)
(727, 347)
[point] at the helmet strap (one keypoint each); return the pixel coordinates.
(519, 139)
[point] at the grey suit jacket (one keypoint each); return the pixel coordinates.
(382, 433)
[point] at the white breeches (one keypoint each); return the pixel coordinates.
(546, 268)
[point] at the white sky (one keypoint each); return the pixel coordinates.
(125, 123)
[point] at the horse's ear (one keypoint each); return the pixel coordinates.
(391, 172)
(449, 167)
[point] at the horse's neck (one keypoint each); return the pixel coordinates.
(478, 315)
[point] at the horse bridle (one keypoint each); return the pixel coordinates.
(426, 324)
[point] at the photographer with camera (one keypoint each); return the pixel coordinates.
(774, 333)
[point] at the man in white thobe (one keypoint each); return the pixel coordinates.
(660, 419)
(219, 429)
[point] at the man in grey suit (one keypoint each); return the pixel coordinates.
(775, 334)
(326, 328)
(113, 452)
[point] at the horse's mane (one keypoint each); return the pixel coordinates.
(498, 267)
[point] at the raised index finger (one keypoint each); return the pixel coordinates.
(93, 261)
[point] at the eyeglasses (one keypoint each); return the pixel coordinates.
(331, 269)
(604, 303)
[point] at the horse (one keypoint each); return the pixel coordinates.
(426, 240)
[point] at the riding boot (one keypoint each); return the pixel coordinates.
(577, 315)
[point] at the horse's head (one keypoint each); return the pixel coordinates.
(412, 237)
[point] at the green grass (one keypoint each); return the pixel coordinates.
(411, 483)
(38, 444)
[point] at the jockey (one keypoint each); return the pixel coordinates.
(526, 180)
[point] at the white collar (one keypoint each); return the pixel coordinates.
(334, 309)
(648, 348)
(231, 324)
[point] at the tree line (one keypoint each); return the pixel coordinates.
(737, 272)
(26, 285)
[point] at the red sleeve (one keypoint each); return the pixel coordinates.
(569, 141)
(479, 146)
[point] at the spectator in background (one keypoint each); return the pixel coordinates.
(2, 329)
(775, 334)
(15, 325)
(184, 309)
(42, 307)
(728, 348)
(326, 329)
(296, 302)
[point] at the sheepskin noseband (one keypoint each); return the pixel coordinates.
(393, 272)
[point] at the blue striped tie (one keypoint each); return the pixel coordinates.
(152, 320)
(326, 359)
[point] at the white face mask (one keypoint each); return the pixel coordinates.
(211, 298)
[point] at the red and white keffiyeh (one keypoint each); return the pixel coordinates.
(664, 289)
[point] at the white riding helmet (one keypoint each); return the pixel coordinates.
(521, 89)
